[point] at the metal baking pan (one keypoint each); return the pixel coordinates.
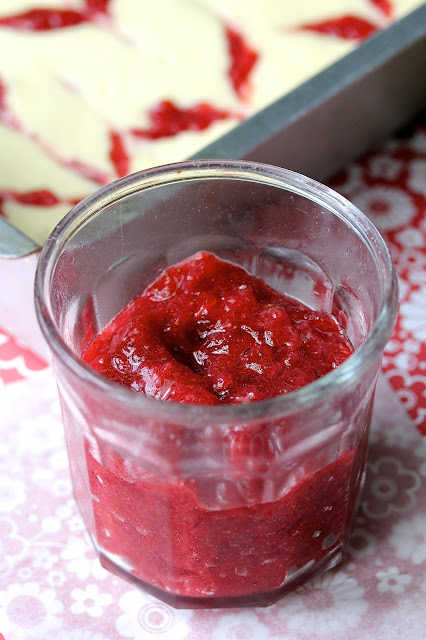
(319, 127)
(350, 107)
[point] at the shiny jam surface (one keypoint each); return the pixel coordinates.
(207, 332)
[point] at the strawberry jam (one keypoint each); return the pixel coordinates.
(206, 332)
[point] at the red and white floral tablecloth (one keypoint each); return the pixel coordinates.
(51, 583)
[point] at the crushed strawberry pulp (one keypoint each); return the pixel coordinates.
(207, 332)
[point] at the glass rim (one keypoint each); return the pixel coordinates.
(312, 394)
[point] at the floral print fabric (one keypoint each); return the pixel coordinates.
(51, 583)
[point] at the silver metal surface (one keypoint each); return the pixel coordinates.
(350, 107)
(13, 243)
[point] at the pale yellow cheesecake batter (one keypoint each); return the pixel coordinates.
(68, 95)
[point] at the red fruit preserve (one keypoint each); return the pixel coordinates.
(207, 332)
(234, 513)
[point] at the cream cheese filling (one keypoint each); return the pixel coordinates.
(67, 91)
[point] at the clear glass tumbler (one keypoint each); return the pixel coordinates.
(211, 506)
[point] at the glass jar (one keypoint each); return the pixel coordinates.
(211, 506)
